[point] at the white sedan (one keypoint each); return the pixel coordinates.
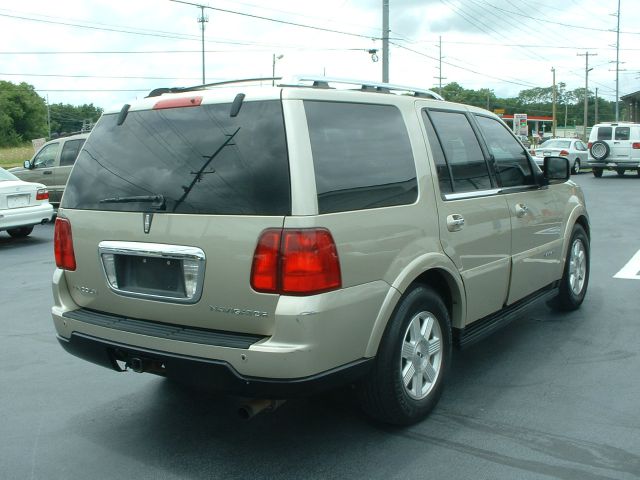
(22, 205)
(571, 148)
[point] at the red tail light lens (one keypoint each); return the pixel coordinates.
(635, 145)
(589, 144)
(296, 262)
(42, 194)
(564, 153)
(63, 245)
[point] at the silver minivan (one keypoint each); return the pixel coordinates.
(279, 241)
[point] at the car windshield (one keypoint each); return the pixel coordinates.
(7, 176)
(557, 144)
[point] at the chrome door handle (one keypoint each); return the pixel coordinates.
(455, 222)
(521, 210)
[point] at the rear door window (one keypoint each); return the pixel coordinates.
(604, 133)
(623, 133)
(467, 166)
(70, 151)
(362, 156)
(186, 160)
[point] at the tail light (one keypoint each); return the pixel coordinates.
(564, 153)
(179, 102)
(296, 262)
(63, 245)
(42, 194)
(589, 144)
(635, 145)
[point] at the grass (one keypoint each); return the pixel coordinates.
(15, 156)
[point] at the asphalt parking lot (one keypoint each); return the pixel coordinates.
(550, 396)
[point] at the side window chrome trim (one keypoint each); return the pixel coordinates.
(473, 194)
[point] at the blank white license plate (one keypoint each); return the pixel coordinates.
(15, 201)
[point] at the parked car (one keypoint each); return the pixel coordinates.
(278, 241)
(571, 148)
(22, 205)
(52, 163)
(614, 146)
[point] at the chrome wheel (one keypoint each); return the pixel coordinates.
(577, 267)
(421, 355)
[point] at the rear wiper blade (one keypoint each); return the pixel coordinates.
(157, 201)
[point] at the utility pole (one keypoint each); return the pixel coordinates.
(595, 120)
(440, 77)
(273, 68)
(553, 114)
(48, 117)
(617, 61)
(586, 90)
(385, 41)
(202, 20)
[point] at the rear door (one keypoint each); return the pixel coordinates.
(621, 144)
(475, 225)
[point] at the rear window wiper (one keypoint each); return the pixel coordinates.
(157, 201)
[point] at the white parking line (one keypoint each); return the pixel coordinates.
(632, 269)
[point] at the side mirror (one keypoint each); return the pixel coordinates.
(27, 164)
(556, 169)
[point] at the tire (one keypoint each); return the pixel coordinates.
(575, 277)
(597, 172)
(600, 150)
(20, 232)
(408, 375)
(576, 167)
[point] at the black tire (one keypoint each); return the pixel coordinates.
(20, 232)
(597, 172)
(575, 278)
(600, 150)
(576, 167)
(384, 394)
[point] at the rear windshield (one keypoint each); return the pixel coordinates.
(186, 160)
(557, 144)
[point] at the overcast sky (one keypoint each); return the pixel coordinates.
(107, 52)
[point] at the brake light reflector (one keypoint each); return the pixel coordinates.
(564, 153)
(63, 245)
(635, 145)
(296, 262)
(179, 102)
(42, 194)
(589, 144)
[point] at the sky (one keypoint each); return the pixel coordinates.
(109, 52)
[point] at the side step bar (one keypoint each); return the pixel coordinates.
(464, 337)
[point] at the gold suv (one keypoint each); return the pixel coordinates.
(279, 241)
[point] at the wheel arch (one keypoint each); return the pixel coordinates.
(441, 276)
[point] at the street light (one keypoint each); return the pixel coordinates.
(273, 68)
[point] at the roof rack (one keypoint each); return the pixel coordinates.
(317, 82)
(366, 86)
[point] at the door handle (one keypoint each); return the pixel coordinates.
(47, 172)
(455, 222)
(521, 210)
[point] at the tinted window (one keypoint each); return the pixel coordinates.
(510, 158)
(623, 133)
(604, 133)
(199, 159)
(70, 151)
(444, 176)
(462, 152)
(361, 155)
(47, 156)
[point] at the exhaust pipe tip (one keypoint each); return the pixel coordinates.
(252, 408)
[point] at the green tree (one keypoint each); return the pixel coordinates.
(66, 118)
(23, 114)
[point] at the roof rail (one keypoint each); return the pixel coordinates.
(365, 85)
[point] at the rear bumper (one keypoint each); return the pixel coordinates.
(25, 216)
(613, 165)
(211, 374)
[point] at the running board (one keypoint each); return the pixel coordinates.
(464, 337)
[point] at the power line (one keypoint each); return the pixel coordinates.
(96, 76)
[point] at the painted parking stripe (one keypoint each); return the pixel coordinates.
(632, 269)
